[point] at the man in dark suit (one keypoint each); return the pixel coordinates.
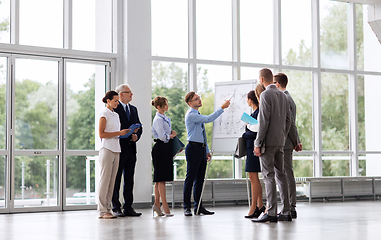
(292, 142)
(128, 115)
(274, 124)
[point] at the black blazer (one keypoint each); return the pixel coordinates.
(249, 135)
(127, 144)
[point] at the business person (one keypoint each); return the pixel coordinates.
(197, 151)
(128, 115)
(109, 130)
(162, 155)
(252, 162)
(292, 142)
(274, 124)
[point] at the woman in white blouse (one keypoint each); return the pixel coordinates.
(109, 130)
(162, 155)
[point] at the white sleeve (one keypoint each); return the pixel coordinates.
(253, 128)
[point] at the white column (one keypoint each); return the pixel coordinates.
(137, 74)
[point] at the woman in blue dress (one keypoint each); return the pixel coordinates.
(252, 162)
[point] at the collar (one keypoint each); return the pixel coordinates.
(193, 110)
(271, 86)
(124, 105)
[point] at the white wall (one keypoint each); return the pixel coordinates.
(137, 74)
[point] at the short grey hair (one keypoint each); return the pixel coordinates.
(120, 88)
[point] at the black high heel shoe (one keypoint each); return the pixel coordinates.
(259, 212)
(254, 213)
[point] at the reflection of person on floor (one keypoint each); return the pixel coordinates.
(197, 151)
(162, 155)
(109, 130)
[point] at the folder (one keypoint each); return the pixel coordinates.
(177, 146)
(249, 119)
(132, 127)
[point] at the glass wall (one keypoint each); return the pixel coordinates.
(39, 27)
(5, 10)
(323, 92)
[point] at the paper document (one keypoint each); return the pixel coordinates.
(132, 127)
(249, 119)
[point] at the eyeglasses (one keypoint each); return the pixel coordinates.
(196, 99)
(126, 92)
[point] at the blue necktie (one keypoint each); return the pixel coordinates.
(127, 113)
(203, 131)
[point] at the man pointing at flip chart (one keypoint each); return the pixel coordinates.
(197, 151)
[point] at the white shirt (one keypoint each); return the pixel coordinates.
(112, 125)
(161, 127)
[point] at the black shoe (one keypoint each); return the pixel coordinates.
(202, 210)
(266, 218)
(118, 213)
(131, 213)
(254, 214)
(293, 214)
(260, 211)
(282, 217)
(187, 212)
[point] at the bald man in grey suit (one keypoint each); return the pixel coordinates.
(274, 124)
(292, 142)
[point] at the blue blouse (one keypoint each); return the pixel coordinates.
(161, 127)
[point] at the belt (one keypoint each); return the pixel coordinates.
(197, 143)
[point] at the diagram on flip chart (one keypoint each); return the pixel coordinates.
(229, 124)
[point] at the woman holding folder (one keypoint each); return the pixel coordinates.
(109, 130)
(162, 154)
(252, 162)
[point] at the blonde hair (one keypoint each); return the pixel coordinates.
(258, 90)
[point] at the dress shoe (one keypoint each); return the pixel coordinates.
(107, 216)
(187, 212)
(157, 210)
(202, 210)
(257, 212)
(131, 213)
(293, 214)
(266, 218)
(119, 213)
(283, 217)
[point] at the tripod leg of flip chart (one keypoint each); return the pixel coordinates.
(248, 191)
(203, 187)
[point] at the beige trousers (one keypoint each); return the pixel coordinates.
(109, 163)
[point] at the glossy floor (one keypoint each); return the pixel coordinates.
(333, 220)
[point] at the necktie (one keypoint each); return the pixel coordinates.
(127, 113)
(203, 131)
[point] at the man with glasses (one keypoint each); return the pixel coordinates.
(128, 115)
(197, 151)
(292, 142)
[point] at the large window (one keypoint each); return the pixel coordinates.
(244, 36)
(5, 9)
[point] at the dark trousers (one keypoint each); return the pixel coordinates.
(127, 164)
(196, 166)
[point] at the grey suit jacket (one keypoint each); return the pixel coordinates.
(293, 136)
(274, 118)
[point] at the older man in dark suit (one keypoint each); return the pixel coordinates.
(274, 124)
(128, 115)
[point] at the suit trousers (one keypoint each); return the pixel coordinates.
(288, 169)
(196, 166)
(272, 168)
(108, 162)
(127, 168)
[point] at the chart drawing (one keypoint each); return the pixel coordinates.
(229, 124)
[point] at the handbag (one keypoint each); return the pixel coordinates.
(240, 150)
